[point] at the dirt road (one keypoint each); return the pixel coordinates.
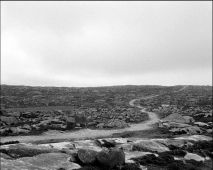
(92, 133)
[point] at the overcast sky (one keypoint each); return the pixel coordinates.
(106, 43)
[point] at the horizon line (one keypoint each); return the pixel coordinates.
(117, 85)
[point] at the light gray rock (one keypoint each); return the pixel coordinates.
(192, 156)
(49, 161)
(149, 145)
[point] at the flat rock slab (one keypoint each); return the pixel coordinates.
(25, 150)
(148, 145)
(49, 161)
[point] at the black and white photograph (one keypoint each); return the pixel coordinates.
(106, 85)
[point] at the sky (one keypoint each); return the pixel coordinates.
(107, 43)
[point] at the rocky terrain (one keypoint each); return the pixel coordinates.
(194, 152)
(124, 133)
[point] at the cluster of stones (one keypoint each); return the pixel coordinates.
(34, 122)
(110, 153)
(178, 124)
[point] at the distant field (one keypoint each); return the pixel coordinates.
(44, 108)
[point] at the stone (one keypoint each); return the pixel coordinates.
(25, 150)
(18, 130)
(171, 143)
(70, 122)
(9, 120)
(192, 130)
(100, 125)
(175, 117)
(87, 156)
(111, 157)
(48, 161)
(149, 145)
(209, 130)
(188, 119)
(106, 143)
(193, 156)
(201, 124)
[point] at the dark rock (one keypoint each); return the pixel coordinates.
(92, 168)
(177, 165)
(131, 166)
(111, 157)
(70, 122)
(145, 160)
(87, 156)
(105, 143)
(149, 159)
(177, 152)
(10, 142)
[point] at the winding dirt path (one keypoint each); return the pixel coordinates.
(92, 133)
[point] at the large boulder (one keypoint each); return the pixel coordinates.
(48, 161)
(111, 157)
(87, 156)
(25, 150)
